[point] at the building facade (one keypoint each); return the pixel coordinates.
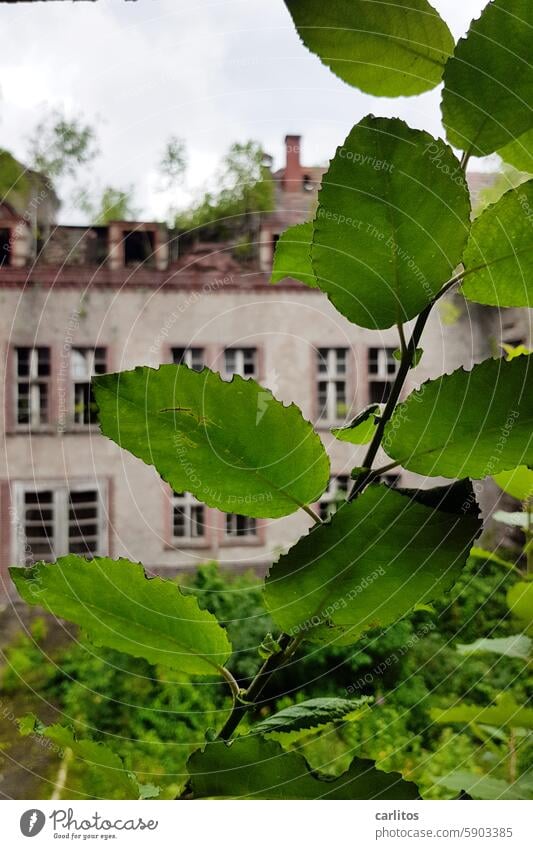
(97, 299)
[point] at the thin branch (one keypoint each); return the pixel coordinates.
(403, 343)
(310, 512)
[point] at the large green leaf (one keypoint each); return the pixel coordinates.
(311, 714)
(254, 768)
(292, 257)
(487, 787)
(520, 602)
(518, 482)
(377, 558)
(382, 48)
(516, 646)
(361, 430)
(120, 607)
(501, 248)
(468, 423)
(488, 84)
(506, 713)
(105, 777)
(392, 222)
(232, 444)
(519, 153)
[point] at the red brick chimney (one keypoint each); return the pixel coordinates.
(292, 180)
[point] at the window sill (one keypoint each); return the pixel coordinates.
(238, 542)
(180, 544)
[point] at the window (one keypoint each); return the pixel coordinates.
(56, 520)
(333, 497)
(241, 361)
(188, 517)
(84, 364)
(192, 357)
(32, 389)
(238, 526)
(331, 383)
(139, 247)
(5, 246)
(382, 368)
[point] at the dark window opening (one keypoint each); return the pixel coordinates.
(5, 246)
(307, 183)
(379, 391)
(139, 246)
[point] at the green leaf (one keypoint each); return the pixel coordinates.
(517, 482)
(519, 153)
(483, 554)
(485, 786)
(506, 713)
(292, 257)
(502, 240)
(520, 603)
(417, 356)
(383, 48)
(514, 520)
(120, 607)
(469, 423)
(362, 428)
(312, 713)
(232, 444)
(488, 84)
(392, 222)
(378, 557)
(513, 351)
(254, 768)
(107, 777)
(516, 646)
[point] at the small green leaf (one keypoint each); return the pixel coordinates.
(106, 777)
(397, 354)
(378, 557)
(311, 714)
(469, 423)
(119, 607)
(254, 768)
(383, 48)
(482, 554)
(513, 351)
(488, 83)
(292, 257)
(361, 429)
(518, 482)
(519, 153)
(485, 786)
(232, 444)
(516, 646)
(501, 248)
(392, 222)
(520, 603)
(506, 713)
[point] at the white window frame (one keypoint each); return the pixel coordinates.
(332, 376)
(60, 519)
(329, 500)
(188, 355)
(89, 354)
(384, 358)
(234, 537)
(35, 383)
(239, 362)
(187, 501)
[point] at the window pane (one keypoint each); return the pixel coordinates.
(83, 527)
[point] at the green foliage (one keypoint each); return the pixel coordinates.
(376, 559)
(486, 787)
(516, 646)
(13, 179)
(254, 768)
(499, 255)
(244, 188)
(520, 601)
(391, 224)
(59, 146)
(487, 84)
(292, 256)
(517, 482)
(173, 162)
(361, 430)
(230, 443)
(114, 205)
(505, 713)
(310, 714)
(436, 431)
(148, 618)
(382, 48)
(519, 153)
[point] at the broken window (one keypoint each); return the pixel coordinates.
(139, 247)
(84, 364)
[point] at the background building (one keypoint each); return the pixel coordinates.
(79, 301)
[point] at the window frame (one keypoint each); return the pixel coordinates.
(331, 492)
(239, 351)
(331, 376)
(190, 501)
(73, 382)
(35, 381)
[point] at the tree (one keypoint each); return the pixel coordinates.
(58, 145)
(114, 205)
(173, 163)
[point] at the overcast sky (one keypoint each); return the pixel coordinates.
(209, 72)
